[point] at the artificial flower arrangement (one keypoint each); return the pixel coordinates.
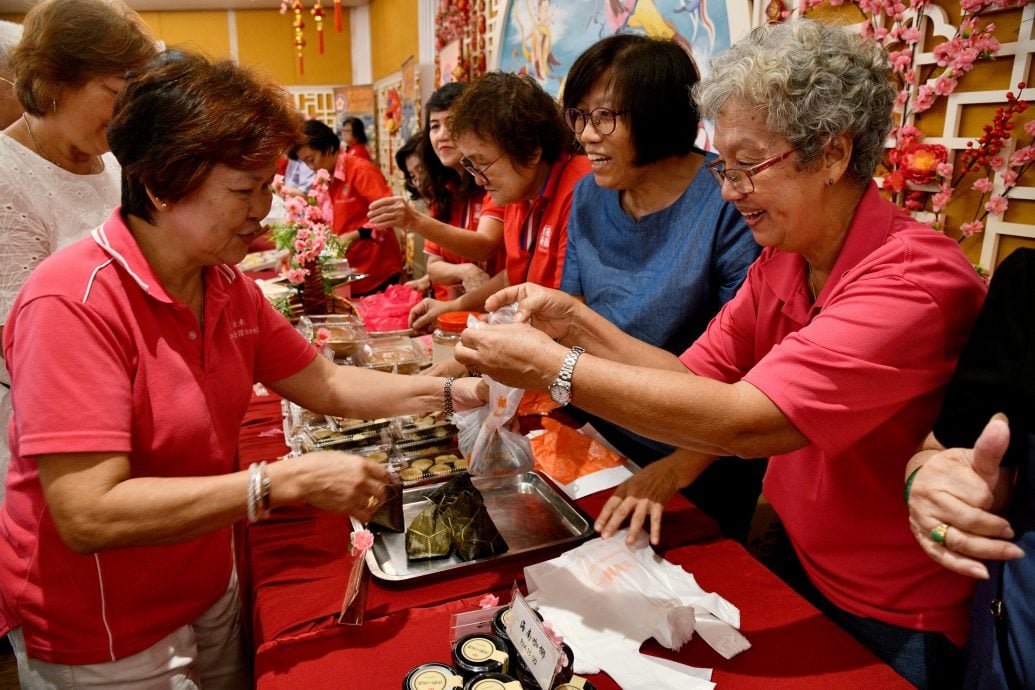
(923, 178)
(307, 238)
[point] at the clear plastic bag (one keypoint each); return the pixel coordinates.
(492, 449)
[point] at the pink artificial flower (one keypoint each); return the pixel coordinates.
(1022, 156)
(1029, 127)
(901, 60)
(983, 185)
(322, 336)
(997, 205)
(997, 163)
(911, 35)
(1010, 178)
(489, 601)
(908, 135)
(554, 636)
(944, 170)
(323, 176)
(924, 99)
(920, 162)
(943, 86)
(941, 199)
(360, 541)
(969, 229)
(296, 275)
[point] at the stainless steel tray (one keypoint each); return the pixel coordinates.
(527, 511)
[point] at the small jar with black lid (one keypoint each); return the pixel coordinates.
(480, 653)
(492, 681)
(576, 683)
(433, 676)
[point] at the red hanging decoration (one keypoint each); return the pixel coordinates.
(337, 16)
(299, 26)
(317, 12)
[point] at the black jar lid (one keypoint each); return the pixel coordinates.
(492, 681)
(480, 653)
(433, 676)
(576, 683)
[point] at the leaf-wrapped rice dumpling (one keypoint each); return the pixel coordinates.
(428, 536)
(473, 532)
(390, 515)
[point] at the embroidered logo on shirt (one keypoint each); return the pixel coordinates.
(239, 328)
(544, 238)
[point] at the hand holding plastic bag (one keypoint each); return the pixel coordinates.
(485, 439)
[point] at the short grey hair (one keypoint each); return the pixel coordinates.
(10, 34)
(815, 82)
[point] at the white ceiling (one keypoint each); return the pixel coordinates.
(22, 6)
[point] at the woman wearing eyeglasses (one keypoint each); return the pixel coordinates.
(652, 246)
(463, 235)
(832, 358)
(513, 140)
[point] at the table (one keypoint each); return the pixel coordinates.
(297, 563)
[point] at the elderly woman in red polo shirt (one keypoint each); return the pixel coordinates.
(831, 359)
(513, 140)
(134, 352)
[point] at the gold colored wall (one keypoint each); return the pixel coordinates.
(208, 32)
(394, 35)
(265, 38)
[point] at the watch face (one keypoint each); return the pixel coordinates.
(560, 393)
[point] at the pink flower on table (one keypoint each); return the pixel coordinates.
(983, 185)
(997, 205)
(489, 601)
(969, 229)
(296, 275)
(554, 636)
(360, 541)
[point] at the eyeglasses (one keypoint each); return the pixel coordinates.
(479, 173)
(7, 81)
(741, 178)
(604, 120)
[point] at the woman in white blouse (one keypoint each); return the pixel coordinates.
(57, 179)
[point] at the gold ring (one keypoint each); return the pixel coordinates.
(938, 533)
(371, 502)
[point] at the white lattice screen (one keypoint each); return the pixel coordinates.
(315, 101)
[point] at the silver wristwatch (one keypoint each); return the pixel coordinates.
(560, 389)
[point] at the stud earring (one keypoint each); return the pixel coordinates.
(830, 183)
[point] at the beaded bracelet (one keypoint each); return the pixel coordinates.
(447, 393)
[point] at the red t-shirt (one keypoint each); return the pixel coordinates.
(355, 184)
(466, 217)
(359, 151)
(103, 359)
(861, 373)
(535, 233)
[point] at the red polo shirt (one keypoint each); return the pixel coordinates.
(466, 217)
(355, 184)
(535, 233)
(102, 358)
(861, 373)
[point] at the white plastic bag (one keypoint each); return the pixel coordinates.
(484, 436)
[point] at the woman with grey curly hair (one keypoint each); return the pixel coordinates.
(831, 360)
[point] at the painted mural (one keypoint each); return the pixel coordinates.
(542, 38)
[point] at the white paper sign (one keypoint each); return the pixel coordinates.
(527, 634)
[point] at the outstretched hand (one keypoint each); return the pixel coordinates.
(957, 487)
(641, 496)
(551, 311)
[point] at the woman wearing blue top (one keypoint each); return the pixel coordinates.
(651, 244)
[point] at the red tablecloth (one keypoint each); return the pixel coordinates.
(297, 563)
(793, 645)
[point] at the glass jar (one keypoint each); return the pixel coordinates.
(447, 334)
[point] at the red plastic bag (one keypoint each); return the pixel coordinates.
(388, 310)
